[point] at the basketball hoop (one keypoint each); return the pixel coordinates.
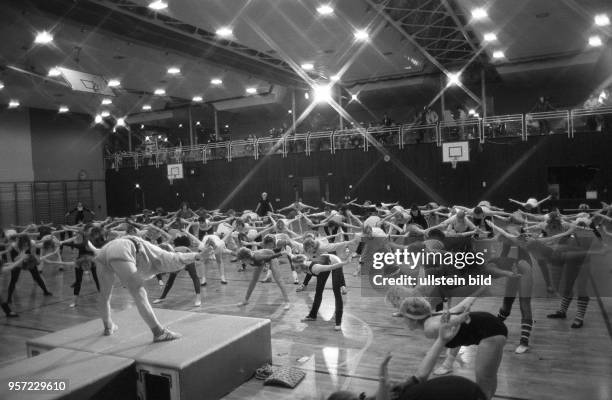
(454, 162)
(171, 181)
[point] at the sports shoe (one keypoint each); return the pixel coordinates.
(577, 324)
(338, 328)
(166, 336)
(160, 282)
(157, 301)
(111, 330)
(300, 288)
(343, 290)
(198, 301)
(308, 319)
(286, 306)
(522, 348)
(557, 315)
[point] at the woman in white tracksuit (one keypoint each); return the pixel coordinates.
(134, 261)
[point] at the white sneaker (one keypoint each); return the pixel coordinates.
(522, 348)
(287, 306)
(157, 301)
(296, 281)
(198, 301)
(338, 328)
(160, 282)
(443, 369)
(72, 305)
(344, 290)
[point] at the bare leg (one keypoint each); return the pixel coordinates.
(488, 358)
(107, 278)
(221, 267)
(256, 272)
(274, 266)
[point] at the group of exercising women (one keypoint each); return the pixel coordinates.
(302, 239)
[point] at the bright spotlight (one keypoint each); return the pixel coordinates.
(53, 72)
(498, 54)
(325, 9)
(197, 99)
(106, 102)
(1, 85)
(322, 93)
(158, 5)
(120, 122)
(251, 90)
(137, 186)
(114, 83)
(454, 79)
(307, 67)
(216, 81)
(490, 37)
(602, 20)
(13, 104)
(479, 13)
(224, 32)
(174, 70)
(159, 92)
(306, 96)
(63, 109)
(146, 107)
(98, 119)
(361, 35)
(289, 111)
(105, 114)
(471, 111)
(334, 78)
(43, 37)
(198, 123)
(354, 97)
(595, 41)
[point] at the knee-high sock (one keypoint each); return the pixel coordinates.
(582, 305)
(565, 302)
(526, 327)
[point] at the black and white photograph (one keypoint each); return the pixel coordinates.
(306, 199)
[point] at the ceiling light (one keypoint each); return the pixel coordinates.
(306, 96)
(290, 111)
(13, 104)
(1, 85)
(354, 97)
(307, 67)
(216, 81)
(105, 114)
(322, 93)
(53, 72)
(602, 20)
(114, 83)
(106, 102)
(498, 54)
(43, 37)
(159, 92)
(224, 32)
(142, 127)
(490, 37)
(120, 122)
(180, 125)
(158, 5)
(98, 119)
(197, 99)
(361, 35)
(146, 107)
(251, 90)
(479, 13)
(198, 123)
(595, 41)
(454, 79)
(226, 126)
(174, 70)
(472, 111)
(63, 109)
(325, 9)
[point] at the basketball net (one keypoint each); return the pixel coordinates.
(170, 180)
(454, 162)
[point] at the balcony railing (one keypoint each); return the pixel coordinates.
(522, 126)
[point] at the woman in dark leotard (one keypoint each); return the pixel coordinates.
(322, 267)
(418, 387)
(475, 328)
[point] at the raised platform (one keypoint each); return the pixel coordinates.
(90, 376)
(217, 353)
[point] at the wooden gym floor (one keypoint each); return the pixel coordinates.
(562, 363)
